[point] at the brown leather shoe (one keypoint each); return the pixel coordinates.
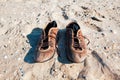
(47, 43)
(76, 48)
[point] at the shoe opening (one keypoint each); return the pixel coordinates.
(47, 29)
(75, 27)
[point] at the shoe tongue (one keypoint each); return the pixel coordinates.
(49, 26)
(75, 27)
(54, 24)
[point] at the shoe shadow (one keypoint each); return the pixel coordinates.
(61, 50)
(33, 38)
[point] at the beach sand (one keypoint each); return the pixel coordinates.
(21, 22)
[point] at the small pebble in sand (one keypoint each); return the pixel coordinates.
(103, 34)
(96, 19)
(5, 57)
(21, 71)
(5, 46)
(5, 71)
(71, 66)
(97, 37)
(63, 76)
(114, 32)
(111, 31)
(65, 15)
(23, 35)
(105, 48)
(38, 14)
(52, 72)
(74, 0)
(103, 16)
(27, 41)
(23, 49)
(85, 8)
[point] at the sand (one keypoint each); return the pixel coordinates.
(21, 22)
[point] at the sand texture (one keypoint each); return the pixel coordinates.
(21, 22)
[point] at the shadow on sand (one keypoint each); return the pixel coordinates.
(33, 38)
(61, 50)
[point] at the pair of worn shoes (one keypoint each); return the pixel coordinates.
(76, 47)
